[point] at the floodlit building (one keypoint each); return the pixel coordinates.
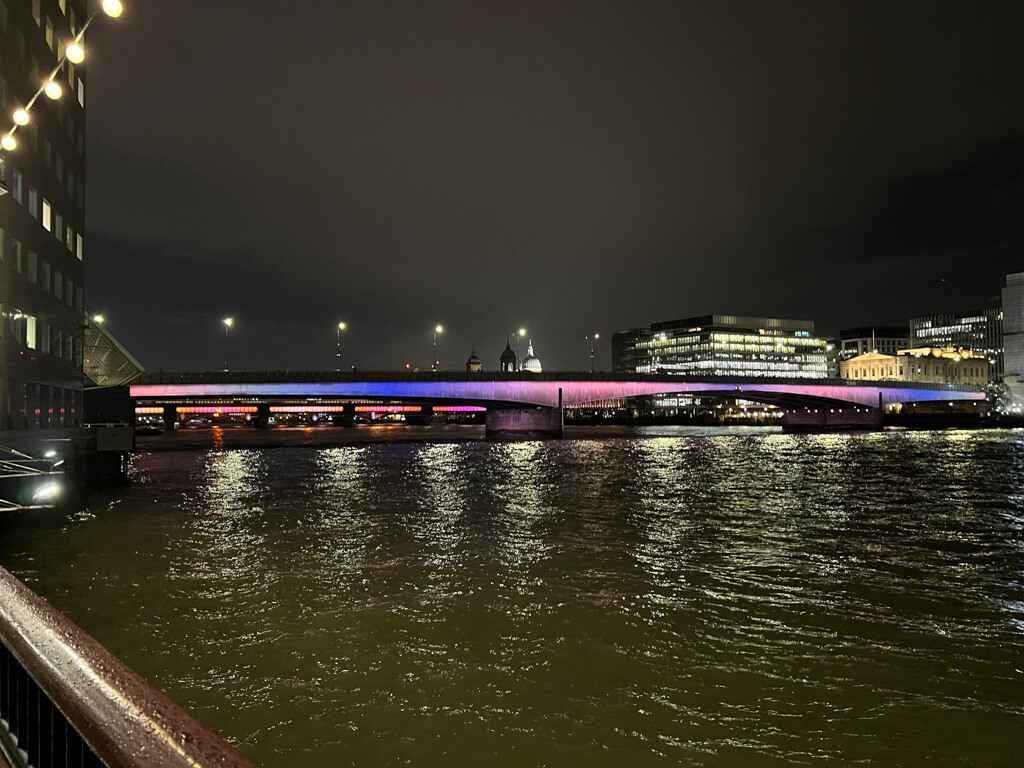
(531, 364)
(723, 345)
(926, 364)
(42, 218)
(980, 331)
(1013, 339)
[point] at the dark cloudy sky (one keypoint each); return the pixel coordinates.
(569, 167)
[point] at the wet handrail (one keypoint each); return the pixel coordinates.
(122, 719)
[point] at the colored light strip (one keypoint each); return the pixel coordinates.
(216, 409)
(388, 408)
(149, 409)
(307, 408)
(459, 409)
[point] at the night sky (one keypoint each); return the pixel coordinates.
(570, 167)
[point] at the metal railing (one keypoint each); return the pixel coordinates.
(67, 701)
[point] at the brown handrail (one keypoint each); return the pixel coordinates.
(125, 721)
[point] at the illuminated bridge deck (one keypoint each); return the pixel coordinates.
(510, 390)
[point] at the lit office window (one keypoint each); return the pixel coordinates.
(78, 247)
(47, 216)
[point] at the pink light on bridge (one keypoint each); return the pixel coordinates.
(228, 409)
(459, 409)
(389, 408)
(307, 409)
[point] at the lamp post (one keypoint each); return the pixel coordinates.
(228, 322)
(434, 362)
(341, 327)
(519, 362)
(591, 340)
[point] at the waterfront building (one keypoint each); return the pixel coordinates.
(1013, 339)
(530, 363)
(980, 331)
(723, 345)
(473, 364)
(946, 365)
(42, 219)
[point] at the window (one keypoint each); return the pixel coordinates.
(16, 255)
(32, 273)
(47, 217)
(35, 11)
(49, 33)
(30, 331)
(69, 291)
(78, 247)
(16, 186)
(58, 227)
(69, 238)
(46, 275)
(58, 284)
(33, 202)
(81, 92)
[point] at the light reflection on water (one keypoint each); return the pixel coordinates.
(684, 598)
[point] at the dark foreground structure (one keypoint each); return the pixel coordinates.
(65, 700)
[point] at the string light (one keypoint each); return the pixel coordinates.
(73, 52)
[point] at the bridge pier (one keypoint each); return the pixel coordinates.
(832, 419)
(524, 422)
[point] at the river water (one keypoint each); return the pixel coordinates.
(646, 597)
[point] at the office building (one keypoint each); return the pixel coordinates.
(884, 339)
(723, 345)
(980, 331)
(1013, 339)
(42, 215)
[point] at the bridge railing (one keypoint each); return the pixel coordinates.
(65, 700)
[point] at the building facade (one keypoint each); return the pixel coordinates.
(1013, 339)
(723, 345)
(888, 340)
(42, 217)
(980, 331)
(926, 364)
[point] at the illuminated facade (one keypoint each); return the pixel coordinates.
(927, 364)
(724, 345)
(1013, 339)
(981, 331)
(41, 219)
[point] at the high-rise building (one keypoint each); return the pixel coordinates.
(724, 345)
(981, 331)
(42, 217)
(1013, 338)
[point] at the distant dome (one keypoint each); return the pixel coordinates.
(508, 358)
(473, 364)
(530, 363)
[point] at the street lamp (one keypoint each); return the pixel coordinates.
(591, 340)
(435, 362)
(228, 322)
(519, 334)
(341, 327)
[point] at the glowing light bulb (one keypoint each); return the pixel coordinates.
(113, 8)
(53, 90)
(75, 53)
(21, 117)
(8, 142)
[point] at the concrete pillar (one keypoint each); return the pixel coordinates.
(170, 416)
(524, 422)
(261, 419)
(832, 419)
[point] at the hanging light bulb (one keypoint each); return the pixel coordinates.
(8, 142)
(21, 117)
(113, 8)
(53, 90)
(75, 53)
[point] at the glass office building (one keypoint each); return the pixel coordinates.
(981, 331)
(724, 345)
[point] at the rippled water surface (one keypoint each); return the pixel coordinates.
(645, 598)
